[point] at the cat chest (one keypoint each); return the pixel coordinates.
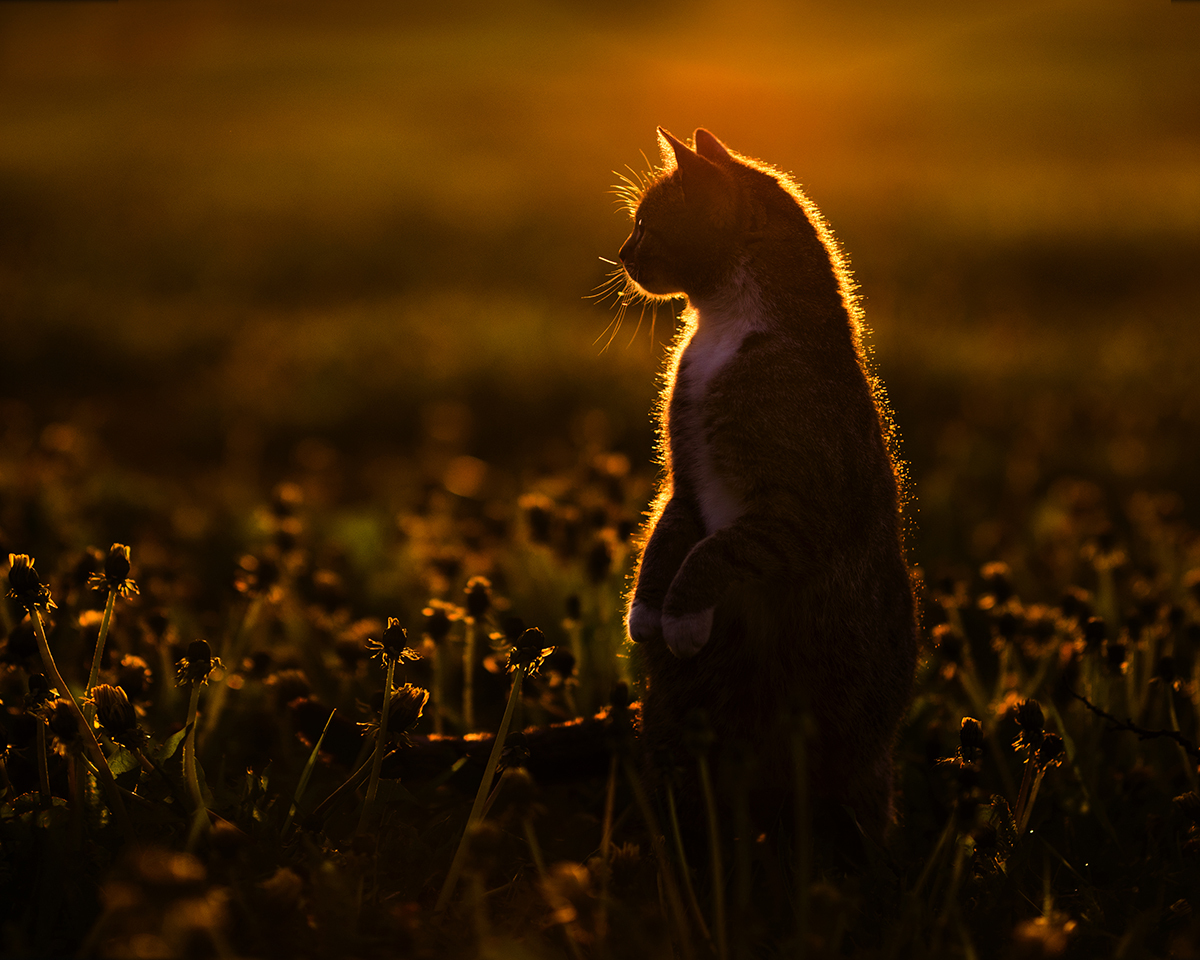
(693, 458)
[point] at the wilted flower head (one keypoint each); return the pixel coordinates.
(116, 714)
(257, 576)
(393, 643)
(439, 617)
(970, 738)
(1094, 632)
(63, 722)
(39, 691)
(408, 703)
(479, 597)
(1050, 753)
(1032, 723)
(25, 586)
(116, 573)
(599, 562)
(197, 664)
(529, 651)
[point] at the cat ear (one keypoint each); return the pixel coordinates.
(709, 146)
(693, 168)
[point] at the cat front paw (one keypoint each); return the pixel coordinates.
(645, 623)
(687, 633)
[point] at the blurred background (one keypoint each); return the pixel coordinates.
(256, 240)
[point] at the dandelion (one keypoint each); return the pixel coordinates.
(479, 601)
(439, 618)
(114, 579)
(117, 715)
(971, 739)
(194, 670)
(394, 649)
(525, 658)
(1042, 751)
(26, 587)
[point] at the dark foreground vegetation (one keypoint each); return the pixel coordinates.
(1048, 765)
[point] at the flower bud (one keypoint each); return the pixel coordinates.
(116, 565)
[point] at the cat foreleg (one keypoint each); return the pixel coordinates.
(752, 547)
(675, 533)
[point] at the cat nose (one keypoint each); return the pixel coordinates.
(626, 251)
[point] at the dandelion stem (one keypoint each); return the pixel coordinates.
(43, 769)
(189, 749)
(1024, 813)
(468, 705)
(90, 709)
(481, 795)
(380, 740)
(89, 737)
(718, 873)
(437, 694)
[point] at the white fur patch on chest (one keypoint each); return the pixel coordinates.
(717, 338)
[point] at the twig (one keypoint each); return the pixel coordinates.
(1142, 733)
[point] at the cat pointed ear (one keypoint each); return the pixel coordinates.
(669, 147)
(710, 147)
(693, 168)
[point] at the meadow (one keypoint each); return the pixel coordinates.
(295, 307)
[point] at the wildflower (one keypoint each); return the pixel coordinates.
(538, 515)
(479, 597)
(1032, 723)
(404, 710)
(39, 691)
(408, 703)
(1114, 656)
(63, 721)
(134, 676)
(997, 581)
(949, 643)
(574, 608)
(393, 644)
(115, 577)
(439, 618)
(599, 562)
(1050, 753)
(196, 665)
(529, 651)
(257, 577)
(1094, 632)
(25, 586)
(970, 738)
(117, 715)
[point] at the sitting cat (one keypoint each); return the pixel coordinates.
(772, 588)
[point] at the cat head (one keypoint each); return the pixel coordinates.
(697, 222)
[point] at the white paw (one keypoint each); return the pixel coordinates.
(685, 635)
(645, 623)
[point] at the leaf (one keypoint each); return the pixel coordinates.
(167, 750)
(122, 761)
(308, 769)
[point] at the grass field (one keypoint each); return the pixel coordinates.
(348, 249)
